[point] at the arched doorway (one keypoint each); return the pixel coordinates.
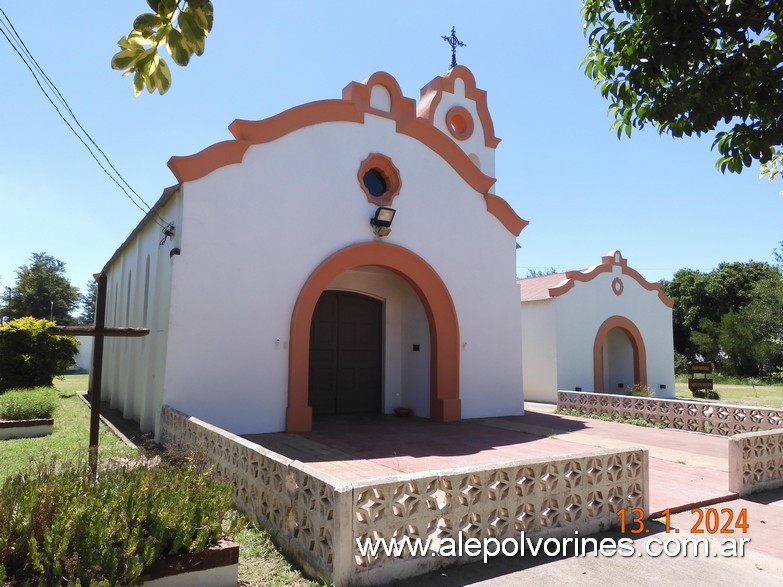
(618, 355)
(438, 306)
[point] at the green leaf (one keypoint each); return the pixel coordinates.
(175, 44)
(132, 41)
(162, 77)
(149, 83)
(193, 34)
(123, 59)
(145, 62)
(163, 7)
(148, 21)
(138, 83)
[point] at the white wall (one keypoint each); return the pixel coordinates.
(253, 233)
(580, 313)
(539, 351)
(474, 145)
(133, 368)
(84, 358)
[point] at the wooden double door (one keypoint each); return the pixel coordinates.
(345, 354)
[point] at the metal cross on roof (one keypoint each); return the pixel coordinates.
(454, 42)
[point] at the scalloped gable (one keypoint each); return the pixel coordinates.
(432, 93)
(610, 260)
(359, 99)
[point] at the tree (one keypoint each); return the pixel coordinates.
(5, 304)
(731, 316)
(181, 25)
(689, 66)
(30, 356)
(43, 291)
(778, 254)
(88, 301)
(541, 272)
(764, 314)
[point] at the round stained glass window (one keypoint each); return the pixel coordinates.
(375, 183)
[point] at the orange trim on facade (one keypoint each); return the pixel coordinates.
(617, 286)
(637, 344)
(353, 108)
(614, 258)
(501, 210)
(208, 160)
(403, 109)
(459, 122)
(431, 95)
(288, 121)
(438, 305)
(391, 175)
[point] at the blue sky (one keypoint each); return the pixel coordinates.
(657, 199)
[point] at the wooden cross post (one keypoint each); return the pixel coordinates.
(99, 331)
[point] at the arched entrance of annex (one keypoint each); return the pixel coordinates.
(438, 307)
(619, 355)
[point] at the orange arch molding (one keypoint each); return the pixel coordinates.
(637, 344)
(438, 305)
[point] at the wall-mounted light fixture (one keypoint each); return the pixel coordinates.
(382, 220)
(168, 232)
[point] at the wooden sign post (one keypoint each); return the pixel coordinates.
(699, 376)
(99, 331)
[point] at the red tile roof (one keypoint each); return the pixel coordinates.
(537, 288)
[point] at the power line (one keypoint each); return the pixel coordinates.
(51, 84)
(4, 29)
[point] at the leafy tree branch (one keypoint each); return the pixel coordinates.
(181, 26)
(689, 67)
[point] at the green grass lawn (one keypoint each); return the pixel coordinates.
(70, 435)
(763, 396)
(260, 563)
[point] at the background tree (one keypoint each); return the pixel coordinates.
(732, 316)
(181, 25)
(88, 299)
(5, 303)
(541, 272)
(43, 291)
(689, 66)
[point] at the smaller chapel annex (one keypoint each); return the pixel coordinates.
(308, 266)
(602, 329)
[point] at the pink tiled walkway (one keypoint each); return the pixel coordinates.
(379, 446)
(685, 468)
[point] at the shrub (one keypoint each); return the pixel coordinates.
(28, 404)
(30, 356)
(680, 364)
(706, 394)
(644, 422)
(59, 525)
(639, 390)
